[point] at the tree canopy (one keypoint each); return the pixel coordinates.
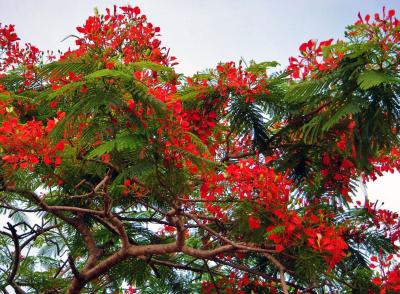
(121, 175)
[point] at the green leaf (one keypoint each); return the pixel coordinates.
(275, 230)
(108, 73)
(302, 92)
(261, 67)
(64, 90)
(104, 148)
(372, 78)
(199, 144)
(120, 143)
(140, 65)
(58, 69)
(128, 142)
(342, 112)
(13, 96)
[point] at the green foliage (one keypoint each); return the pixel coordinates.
(246, 117)
(120, 143)
(373, 78)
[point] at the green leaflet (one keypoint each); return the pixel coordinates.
(201, 162)
(261, 67)
(316, 127)
(275, 230)
(199, 144)
(13, 96)
(346, 110)
(312, 130)
(373, 78)
(303, 91)
(64, 90)
(121, 142)
(62, 68)
(203, 75)
(246, 117)
(108, 73)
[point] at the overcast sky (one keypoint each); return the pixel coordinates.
(201, 33)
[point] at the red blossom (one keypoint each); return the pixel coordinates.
(254, 222)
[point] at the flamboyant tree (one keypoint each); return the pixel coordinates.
(118, 173)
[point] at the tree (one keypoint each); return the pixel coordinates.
(229, 181)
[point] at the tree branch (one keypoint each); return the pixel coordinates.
(15, 261)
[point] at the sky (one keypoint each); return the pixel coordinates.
(201, 33)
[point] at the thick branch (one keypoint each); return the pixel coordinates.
(15, 261)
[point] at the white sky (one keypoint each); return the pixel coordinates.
(201, 33)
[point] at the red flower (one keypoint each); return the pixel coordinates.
(376, 281)
(57, 161)
(110, 65)
(84, 89)
(254, 222)
(105, 158)
(60, 145)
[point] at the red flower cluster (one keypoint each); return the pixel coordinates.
(25, 145)
(314, 57)
(383, 31)
(7, 36)
(388, 272)
(337, 173)
(128, 33)
(327, 239)
(14, 54)
(240, 82)
(385, 221)
(236, 283)
(268, 192)
(244, 178)
(384, 163)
